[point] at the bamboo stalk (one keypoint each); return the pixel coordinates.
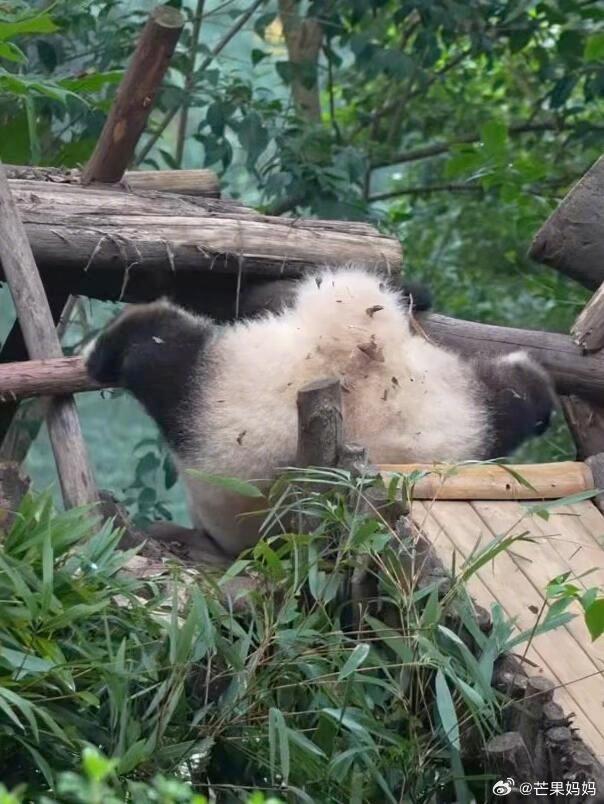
(495, 482)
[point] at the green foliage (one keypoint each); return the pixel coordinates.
(154, 475)
(564, 591)
(97, 783)
(163, 678)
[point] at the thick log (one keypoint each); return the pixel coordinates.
(572, 239)
(596, 466)
(13, 485)
(539, 691)
(572, 371)
(77, 484)
(139, 245)
(558, 744)
(493, 482)
(507, 755)
(20, 425)
(138, 88)
(181, 182)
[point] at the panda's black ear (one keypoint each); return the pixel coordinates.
(418, 294)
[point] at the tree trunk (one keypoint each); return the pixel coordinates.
(570, 369)
(303, 39)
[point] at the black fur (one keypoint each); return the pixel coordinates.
(154, 351)
(520, 400)
(278, 294)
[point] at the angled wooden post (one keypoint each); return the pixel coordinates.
(39, 333)
(135, 97)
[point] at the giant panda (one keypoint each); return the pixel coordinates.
(224, 395)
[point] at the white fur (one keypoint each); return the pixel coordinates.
(404, 398)
(517, 358)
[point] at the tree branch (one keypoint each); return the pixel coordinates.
(427, 189)
(464, 187)
(134, 100)
(437, 148)
(390, 107)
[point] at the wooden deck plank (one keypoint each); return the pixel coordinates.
(539, 562)
(567, 535)
(521, 599)
(481, 592)
(592, 520)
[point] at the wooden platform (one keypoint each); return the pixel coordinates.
(571, 539)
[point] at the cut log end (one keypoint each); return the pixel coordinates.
(167, 17)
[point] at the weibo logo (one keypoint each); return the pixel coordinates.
(503, 788)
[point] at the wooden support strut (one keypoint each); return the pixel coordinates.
(77, 484)
(135, 97)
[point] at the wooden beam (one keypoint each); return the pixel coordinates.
(135, 96)
(571, 370)
(54, 377)
(180, 182)
(14, 349)
(595, 463)
(585, 421)
(572, 239)
(588, 330)
(41, 339)
(494, 482)
(130, 243)
(20, 424)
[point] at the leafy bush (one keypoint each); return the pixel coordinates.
(165, 677)
(96, 783)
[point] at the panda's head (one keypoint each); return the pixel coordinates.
(520, 400)
(141, 335)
